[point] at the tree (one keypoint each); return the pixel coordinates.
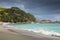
(14, 14)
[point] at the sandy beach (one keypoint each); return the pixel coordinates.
(11, 34)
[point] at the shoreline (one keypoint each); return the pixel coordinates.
(44, 32)
(16, 30)
(26, 33)
(30, 33)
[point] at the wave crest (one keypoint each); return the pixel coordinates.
(45, 32)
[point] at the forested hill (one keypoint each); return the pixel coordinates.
(14, 15)
(2, 9)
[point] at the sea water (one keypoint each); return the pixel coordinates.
(47, 29)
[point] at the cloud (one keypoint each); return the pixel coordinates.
(48, 17)
(42, 9)
(57, 18)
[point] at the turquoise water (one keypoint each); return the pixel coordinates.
(47, 29)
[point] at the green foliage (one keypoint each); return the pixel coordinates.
(2, 9)
(15, 15)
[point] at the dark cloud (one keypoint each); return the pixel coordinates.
(41, 6)
(48, 4)
(36, 7)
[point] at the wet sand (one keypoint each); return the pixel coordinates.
(11, 34)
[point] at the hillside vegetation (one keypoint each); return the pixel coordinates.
(14, 15)
(2, 9)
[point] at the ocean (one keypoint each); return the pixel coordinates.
(46, 29)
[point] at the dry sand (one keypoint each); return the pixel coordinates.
(9, 34)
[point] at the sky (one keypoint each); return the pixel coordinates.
(41, 9)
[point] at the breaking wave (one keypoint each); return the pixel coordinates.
(42, 31)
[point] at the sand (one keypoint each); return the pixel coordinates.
(12, 34)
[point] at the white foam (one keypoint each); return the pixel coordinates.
(5, 23)
(42, 31)
(45, 32)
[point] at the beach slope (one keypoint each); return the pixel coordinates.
(10, 35)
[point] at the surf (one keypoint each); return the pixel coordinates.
(46, 29)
